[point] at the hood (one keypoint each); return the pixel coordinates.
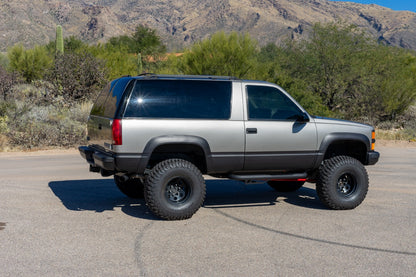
(327, 120)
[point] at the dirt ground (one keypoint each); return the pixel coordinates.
(395, 143)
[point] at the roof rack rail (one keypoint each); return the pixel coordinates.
(195, 77)
(147, 74)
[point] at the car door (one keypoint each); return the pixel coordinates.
(280, 135)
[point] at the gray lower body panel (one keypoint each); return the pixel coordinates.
(288, 161)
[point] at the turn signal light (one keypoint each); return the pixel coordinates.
(373, 140)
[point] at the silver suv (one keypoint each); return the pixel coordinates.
(159, 134)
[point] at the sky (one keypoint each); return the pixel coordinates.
(398, 5)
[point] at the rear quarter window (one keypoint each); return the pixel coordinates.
(110, 98)
(189, 99)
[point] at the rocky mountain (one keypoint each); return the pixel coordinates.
(182, 22)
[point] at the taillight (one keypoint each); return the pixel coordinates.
(117, 134)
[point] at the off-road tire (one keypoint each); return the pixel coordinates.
(133, 188)
(285, 186)
(342, 183)
(174, 189)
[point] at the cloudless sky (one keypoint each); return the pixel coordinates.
(398, 5)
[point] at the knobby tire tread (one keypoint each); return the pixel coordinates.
(326, 172)
(153, 180)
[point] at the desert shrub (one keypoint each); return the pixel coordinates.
(32, 135)
(402, 128)
(77, 77)
(3, 124)
(144, 40)
(7, 81)
(223, 54)
(32, 64)
(353, 76)
(4, 61)
(37, 126)
(118, 62)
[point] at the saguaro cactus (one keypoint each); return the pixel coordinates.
(59, 40)
(139, 63)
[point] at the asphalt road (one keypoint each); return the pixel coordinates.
(57, 219)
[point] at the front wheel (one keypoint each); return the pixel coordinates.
(174, 189)
(342, 183)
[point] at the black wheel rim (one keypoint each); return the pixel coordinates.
(177, 191)
(346, 185)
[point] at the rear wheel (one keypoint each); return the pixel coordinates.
(342, 183)
(133, 188)
(286, 186)
(174, 189)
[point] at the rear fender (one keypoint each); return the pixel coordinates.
(172, 140)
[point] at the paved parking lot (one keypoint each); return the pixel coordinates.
(57, 219)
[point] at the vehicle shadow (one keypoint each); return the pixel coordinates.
(101, 195)
(98, 195)
(232, 194)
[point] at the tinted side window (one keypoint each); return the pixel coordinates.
(269, 103)
(98, 108)
(110, 98)
(180, 99)
(115, 97)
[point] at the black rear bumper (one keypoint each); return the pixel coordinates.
(110, 162)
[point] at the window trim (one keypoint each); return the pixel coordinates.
(139, 82)
(278, 88)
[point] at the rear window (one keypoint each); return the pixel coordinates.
(180, 99)
(110, 98)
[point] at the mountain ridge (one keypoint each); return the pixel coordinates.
(180, 23)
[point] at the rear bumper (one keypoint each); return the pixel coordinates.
(372, 157)
(111, 162)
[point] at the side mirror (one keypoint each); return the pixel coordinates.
(303, 118)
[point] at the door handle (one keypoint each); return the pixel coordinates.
(251, 131)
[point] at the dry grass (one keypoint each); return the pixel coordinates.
(396, 134)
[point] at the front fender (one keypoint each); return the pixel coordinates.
(340, 137)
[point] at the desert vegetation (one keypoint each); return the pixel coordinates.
(46, 92)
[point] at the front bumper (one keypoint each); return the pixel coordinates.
(372, 157)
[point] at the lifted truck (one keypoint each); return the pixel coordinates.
(158, 135)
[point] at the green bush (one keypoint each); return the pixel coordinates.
(118, 62)
(353, 76)
(32, 64)
(144, 40)
(223, 54)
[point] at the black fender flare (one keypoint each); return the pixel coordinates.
(334, 137)
(155, 142)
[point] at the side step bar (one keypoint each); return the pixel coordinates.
(277, 177)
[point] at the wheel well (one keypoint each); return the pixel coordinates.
(355, 149)
(190, 152)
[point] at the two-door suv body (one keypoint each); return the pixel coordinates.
(158, 135)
